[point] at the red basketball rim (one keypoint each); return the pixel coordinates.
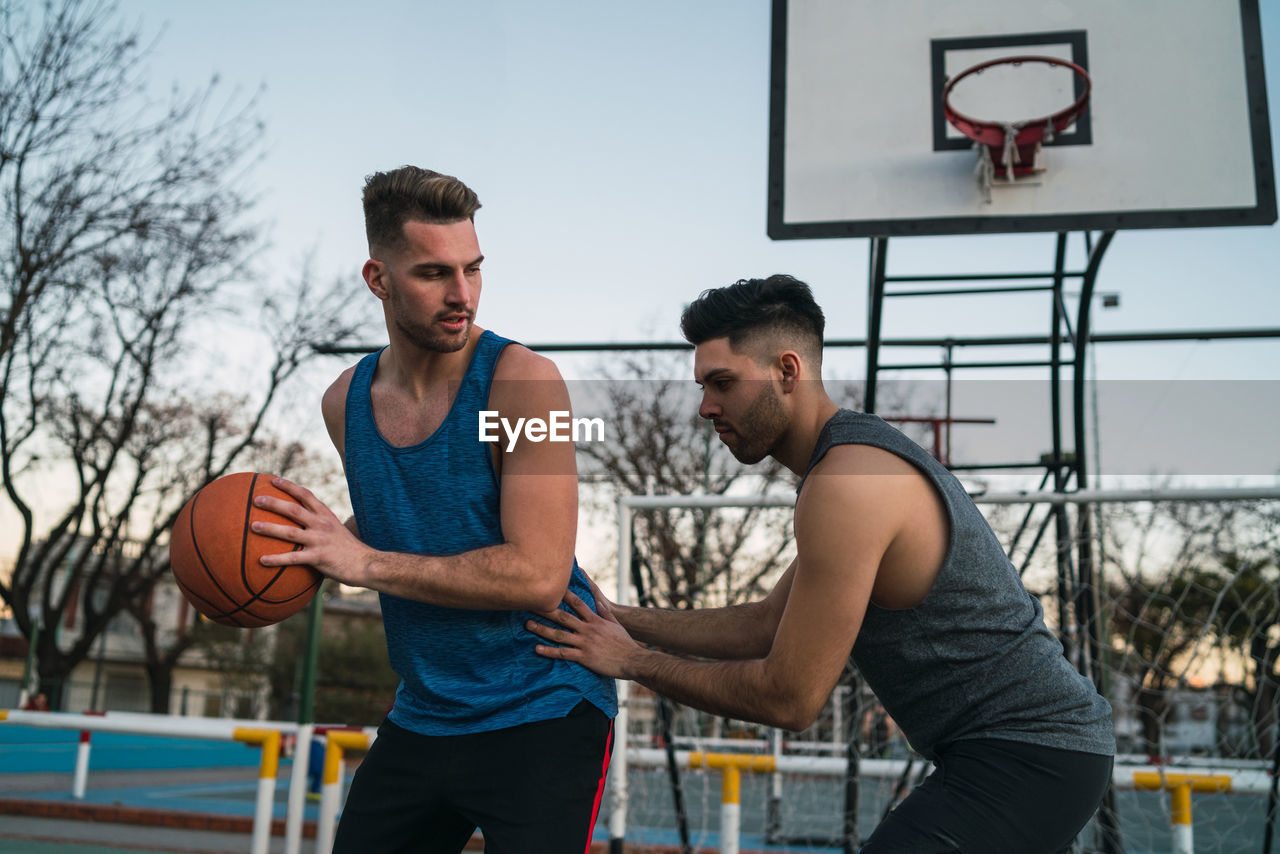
(1030, 131)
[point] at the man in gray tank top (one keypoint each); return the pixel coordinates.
(896, 567)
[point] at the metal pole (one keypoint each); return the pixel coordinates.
(297, 800)
(1273, 792)
(1084, 496)
(1261, 332)
(1057, 459)
(851, 841)
(1088, 603)
(773, 814)
(875, 305)
(311, 660)
(618, 762)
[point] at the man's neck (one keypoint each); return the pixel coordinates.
(796, 448)
(418, 372)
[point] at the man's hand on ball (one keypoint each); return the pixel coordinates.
(326, 543)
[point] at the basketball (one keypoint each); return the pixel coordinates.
(214, 556)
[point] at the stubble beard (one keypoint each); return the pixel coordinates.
(425, 338)
(762, 425)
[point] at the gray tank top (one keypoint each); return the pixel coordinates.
(975, 658)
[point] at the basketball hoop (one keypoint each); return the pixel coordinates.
(1012, 149)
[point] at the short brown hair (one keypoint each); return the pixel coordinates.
(412, 194)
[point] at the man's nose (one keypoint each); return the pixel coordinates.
(459, 291)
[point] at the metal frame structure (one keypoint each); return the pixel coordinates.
(1066, 469)
(1076, 586)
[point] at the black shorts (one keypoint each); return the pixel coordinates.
(531, 789)
(996, 797)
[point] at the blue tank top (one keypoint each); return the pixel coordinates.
(461, 671)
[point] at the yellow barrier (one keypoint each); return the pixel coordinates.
(731, 766)
(267, 770)
(269, 734)
(1180, 787)
(337, 741)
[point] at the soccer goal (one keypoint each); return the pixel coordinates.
(1186, 625)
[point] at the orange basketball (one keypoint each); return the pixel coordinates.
(214, 556)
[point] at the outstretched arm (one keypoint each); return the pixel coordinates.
(736, 631)
(830, 587)
(539, 512)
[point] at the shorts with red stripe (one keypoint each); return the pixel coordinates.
(530, 789)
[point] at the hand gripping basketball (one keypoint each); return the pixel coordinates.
(216, 556)
(319, 537)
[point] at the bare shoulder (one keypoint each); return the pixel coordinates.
(861, 460)
(334, 400)
(525, 383)
(857, 489)
(518, 362)
(333, 407)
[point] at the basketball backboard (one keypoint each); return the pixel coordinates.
(1175, 132)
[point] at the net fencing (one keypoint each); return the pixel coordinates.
(1176, 617)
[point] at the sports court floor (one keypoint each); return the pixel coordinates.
(178, 781)
(203, 788)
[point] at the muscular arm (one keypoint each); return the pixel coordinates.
(735, 632)
(539, 510)
(830, 586)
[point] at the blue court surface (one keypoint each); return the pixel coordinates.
(25, 748)
(230, 770)
(221, 778)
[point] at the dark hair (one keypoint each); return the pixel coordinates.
(780, 303)
(393, 198)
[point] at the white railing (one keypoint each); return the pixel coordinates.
(267, 734)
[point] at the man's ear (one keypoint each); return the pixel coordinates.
(374, 273)
(790, 366)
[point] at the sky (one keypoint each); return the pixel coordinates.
(620, 152)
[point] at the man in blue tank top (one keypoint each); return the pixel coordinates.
(463, 539)
(896, 568)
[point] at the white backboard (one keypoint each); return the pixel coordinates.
(1175, 135)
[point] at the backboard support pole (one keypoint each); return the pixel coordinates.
(1079, 619)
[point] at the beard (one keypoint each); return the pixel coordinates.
(760, 428)
(434, 340)
(428, 336)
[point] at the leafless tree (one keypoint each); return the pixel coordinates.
(655, 443)
(123, 224)
(1186, 582)
(136, 447)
